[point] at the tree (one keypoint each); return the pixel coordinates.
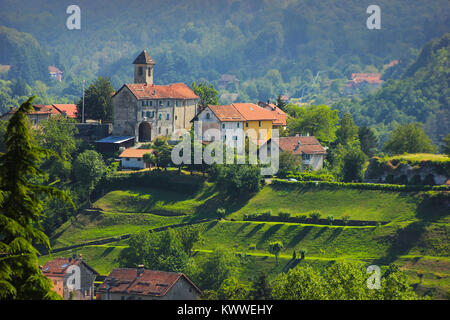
(233, 289)
(347, 130)
(88, 169)
(58, 134)
(21, 212)
(280, 103)
(368, 141)
(409, 138)
(239, 178)
(97, 101)
(353, 163)
(446, 145)
(215, 268)
(288, 162)
(275, 249)
(149, 159)
(261, 289)
(189, 236)
(319, 121)
(207, 93)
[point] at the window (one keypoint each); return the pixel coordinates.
(143, 114)
(148, 114)
(168, 116)
(153, 114)
(235, 138)
(246, 124)
(223, 125)
(208, 116)
(238, 124)
(139, 159)
(128, 159)
(140, 71)
(259, 123)
(160, 116)
(306, 156)
(159, 130)
(176, 117)
(122, 297)
(149, 72)
(168, 103)
(160, 102)
(167, 132)
(151, 103)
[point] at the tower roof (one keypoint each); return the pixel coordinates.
(144, 58)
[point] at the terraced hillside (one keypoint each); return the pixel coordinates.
(416, 235)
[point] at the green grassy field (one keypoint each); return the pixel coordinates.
(370, 205)
(416, 237)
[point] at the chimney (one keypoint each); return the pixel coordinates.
(140, 270)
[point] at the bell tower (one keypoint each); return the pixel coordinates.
(143, 68)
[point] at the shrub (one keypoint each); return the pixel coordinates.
(330, 219)
(302, 252)
(284, 215)
(221, 212)
(266, 215)
(345, 219)
(252, 246)
(315, 215)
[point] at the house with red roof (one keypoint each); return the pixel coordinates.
(146, 110)
(141, 284)
(41, 112)
(280, 115)
(307, 147)
(55, 73)
(134, 158)
(360, 80)
(72, 278)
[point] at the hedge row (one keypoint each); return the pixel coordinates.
(309, 220)
(310, 176)
(362, 186)
(160, 179)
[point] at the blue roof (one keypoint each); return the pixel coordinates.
(115, 139)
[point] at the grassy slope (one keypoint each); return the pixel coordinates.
(421, 247)
(358, 204)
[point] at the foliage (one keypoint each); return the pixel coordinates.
(368, 141)
(340, 281)
(88, 169)
(275, 248)
(288, 162)
(237, 179)
(409, 138)
(207, 93)
(21, 212)
(446, 145)
(97, 101)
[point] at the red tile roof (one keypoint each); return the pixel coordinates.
(58, 266)
(53, 69)
(148, 282)
(134, 153)
(152, 91)
(301, 145)
(69, 109)
(372, 78)
(242, 112)
(280, 115)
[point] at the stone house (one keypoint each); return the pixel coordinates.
(72, 277)
(145, 110)
(141, 284)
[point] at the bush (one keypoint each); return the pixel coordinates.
(284, 215)
(330, 219)
(345, 219)
(221, 212)
(315, 215)
(266, 215)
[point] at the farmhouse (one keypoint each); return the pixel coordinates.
(133, 158)
(307, 147)
(71, 277)
(145, 110)
(42, 112)
(239, 121)
(141, 284)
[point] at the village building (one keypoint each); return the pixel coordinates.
(72, 277)
(55, 73)
(361, 80)
(307, 147)
(145, 110)
(226, 79)
(281, 116)
(239, 121)
(134, 158)
(41, 112)
(141, 284)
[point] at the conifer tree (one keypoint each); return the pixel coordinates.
(21, 212)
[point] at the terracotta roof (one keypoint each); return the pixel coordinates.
(301, 145)
(144, 58)
(58, 266)
(69, 109)
(279, 114)
(53, 69)
(226, 113)
(251, 112)
(148, 282)
(151, 91)
(373, 78)
(134, 153)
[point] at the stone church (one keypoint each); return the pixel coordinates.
(145, 110)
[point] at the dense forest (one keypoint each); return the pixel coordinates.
(272, 47)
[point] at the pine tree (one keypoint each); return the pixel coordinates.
(21, 212)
